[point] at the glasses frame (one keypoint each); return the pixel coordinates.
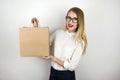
(74, 19)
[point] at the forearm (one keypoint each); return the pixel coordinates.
(58, 61)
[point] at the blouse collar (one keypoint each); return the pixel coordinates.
(70, 33)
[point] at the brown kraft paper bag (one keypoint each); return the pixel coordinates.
(34, 42)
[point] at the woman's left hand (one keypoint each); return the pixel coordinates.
(47, 57)
(60, 62)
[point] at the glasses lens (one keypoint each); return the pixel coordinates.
(74, 20)
(68, 19)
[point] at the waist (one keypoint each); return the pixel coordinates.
(60, 71)
(57, 66)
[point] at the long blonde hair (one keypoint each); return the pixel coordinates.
(80, 31)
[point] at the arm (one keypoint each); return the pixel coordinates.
(58, 61)
(72, 63)
(69, 64)
(52, 37)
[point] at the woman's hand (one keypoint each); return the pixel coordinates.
(47, 57)
(58, 61)
(35, 22)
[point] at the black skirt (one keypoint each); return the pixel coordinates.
(61, 75)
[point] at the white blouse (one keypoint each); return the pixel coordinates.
(66, 48)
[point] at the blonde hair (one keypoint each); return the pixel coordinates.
(80, 31)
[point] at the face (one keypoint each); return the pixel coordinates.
(71, 21)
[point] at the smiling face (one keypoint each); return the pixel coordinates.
(71, 21)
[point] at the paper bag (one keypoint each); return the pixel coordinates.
(34, 41)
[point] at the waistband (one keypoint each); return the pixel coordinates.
(60, 71)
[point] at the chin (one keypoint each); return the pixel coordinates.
(70, 29)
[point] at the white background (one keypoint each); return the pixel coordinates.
(102, 20)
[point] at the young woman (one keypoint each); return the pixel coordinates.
(69, 45)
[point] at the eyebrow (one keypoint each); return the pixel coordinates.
(71, 17)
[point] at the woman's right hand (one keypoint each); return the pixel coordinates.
(35, 22)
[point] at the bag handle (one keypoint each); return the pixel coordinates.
(35, 22)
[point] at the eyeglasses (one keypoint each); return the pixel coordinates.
(74, 20)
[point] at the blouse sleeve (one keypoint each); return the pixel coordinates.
(72, 63)
(52, 36)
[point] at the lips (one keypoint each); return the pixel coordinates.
(70, 25)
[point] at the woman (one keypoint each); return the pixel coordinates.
(69, 45)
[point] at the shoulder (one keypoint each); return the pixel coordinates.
(59, 31)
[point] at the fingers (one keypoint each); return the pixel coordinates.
(45, 57)
(35, 22)
(34, 19)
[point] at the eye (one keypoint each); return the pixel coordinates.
(68, 17)
(75, 18)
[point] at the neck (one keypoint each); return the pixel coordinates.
(71, 31)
